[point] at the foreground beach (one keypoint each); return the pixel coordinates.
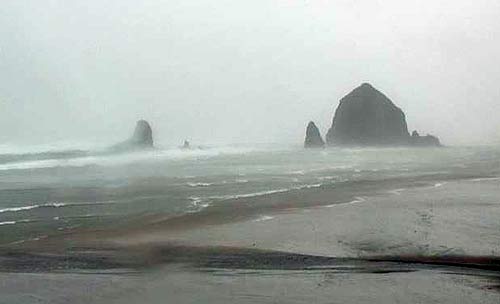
(420, 242)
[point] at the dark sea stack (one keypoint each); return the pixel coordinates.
(366, 117)
(186, 145)
(313, 137)
(141, 139)
(143, 135)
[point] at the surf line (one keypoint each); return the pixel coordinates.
(397, 191)
(357, 199)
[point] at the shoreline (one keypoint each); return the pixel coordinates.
(227, 216)
(415, 235)
(246, 208)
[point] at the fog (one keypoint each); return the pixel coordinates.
(243, 71)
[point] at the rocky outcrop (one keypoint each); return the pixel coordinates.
(313, 137)
(186, 145)
(143, 135)
(424, 141)
(141, 139)
(366, 117)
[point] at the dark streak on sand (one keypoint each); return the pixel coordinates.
(213, 258)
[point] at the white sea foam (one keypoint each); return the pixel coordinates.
(247, 195)
(125, 158)
(306, 186)
(357, 199)
(485, 179)
(200, 184)
(7, 223)
(397, 191)
(195, 200)
(327, 178)
(15, 209)
(224, 182)
(199, 203)
(25, 208)
(266, 192)
(15, 222)
(264, 218)
(437, 185)
(50, 148)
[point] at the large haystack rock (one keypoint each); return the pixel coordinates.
(367, 117)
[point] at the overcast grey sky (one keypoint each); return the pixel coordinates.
(243, 71)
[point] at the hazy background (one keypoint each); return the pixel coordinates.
(243, 71)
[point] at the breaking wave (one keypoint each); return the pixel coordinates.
(25, 208)
(81, 158)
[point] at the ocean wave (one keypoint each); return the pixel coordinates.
(205, 184)
(7, 223)
(25, 208)
(198, 204)
(485, 179)
(396, 191)
(309, 186)
(327, 178)
(199, 184)
(437, 185)
(265, 192)
(116, 159)
(357, 199)
(53, 205)
(58, 147)
(247, 195)
(15, 222)
(264, 218)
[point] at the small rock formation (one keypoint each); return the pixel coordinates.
(366, 117)
(186, 145)
(313, 137)
(143, 135)
(141, 139)
(424, 141)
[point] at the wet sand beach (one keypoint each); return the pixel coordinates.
(426, 241)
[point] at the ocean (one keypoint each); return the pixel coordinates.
(49, 190)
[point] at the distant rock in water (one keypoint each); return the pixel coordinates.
(366, 117)
(141, 139)
(313, 137)
(186, 145)
(143, 135)
(424, 141)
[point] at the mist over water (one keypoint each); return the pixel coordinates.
(240, 72)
